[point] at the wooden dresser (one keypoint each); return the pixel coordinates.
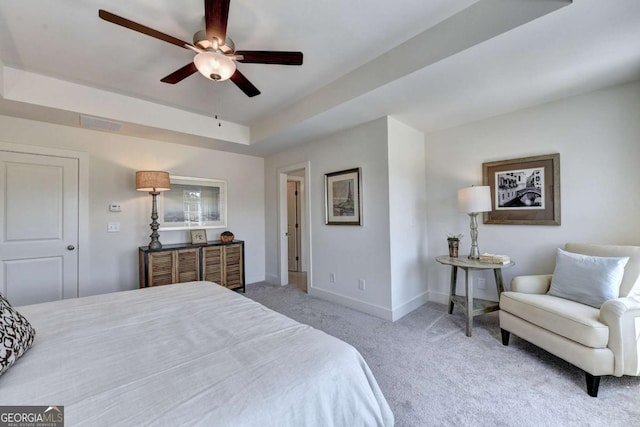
(218, 262)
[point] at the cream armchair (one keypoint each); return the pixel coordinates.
(604, 341)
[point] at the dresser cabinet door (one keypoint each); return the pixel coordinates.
(212, 264)
(233, 266)
(161, 268)
(188, 265)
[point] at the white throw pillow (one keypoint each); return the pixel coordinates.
(590, 280)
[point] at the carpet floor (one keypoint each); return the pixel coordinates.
(432, 374)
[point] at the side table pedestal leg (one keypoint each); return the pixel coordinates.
(469, 290)
(452, 285)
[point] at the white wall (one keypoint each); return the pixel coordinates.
(407, 217)
(351, 252)
(598, 138)
(388, 250)
(113, 161)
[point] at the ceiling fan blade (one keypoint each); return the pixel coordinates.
(181, 74)
(269, 57)
(216, 15)
(244, 84)
(124, 22)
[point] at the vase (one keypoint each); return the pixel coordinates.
(453, 248)
(226, 237)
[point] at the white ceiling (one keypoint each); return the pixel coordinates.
(361, 62)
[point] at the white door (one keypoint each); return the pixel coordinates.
(39, 235)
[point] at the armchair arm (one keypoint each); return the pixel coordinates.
(538, 284)
(622, 316)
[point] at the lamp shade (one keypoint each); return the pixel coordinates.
(474, 199)
(214, 65)
(152, 181)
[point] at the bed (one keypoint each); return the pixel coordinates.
(189, 354)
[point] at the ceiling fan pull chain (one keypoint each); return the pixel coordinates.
(217, 107)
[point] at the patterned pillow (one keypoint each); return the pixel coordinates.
(16, 334)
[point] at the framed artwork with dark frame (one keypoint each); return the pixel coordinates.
(343, 201)
(524, 191)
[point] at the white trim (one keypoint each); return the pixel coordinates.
(365, 307)
(84, 268)
(409, 306)
(283, 268)
(373, 309)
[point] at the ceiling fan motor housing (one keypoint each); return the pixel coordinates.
(201, 41)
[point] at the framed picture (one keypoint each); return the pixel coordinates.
(524, 191)
(198, 236)
(194, 203)
(343, 197)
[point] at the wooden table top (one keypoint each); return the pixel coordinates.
(465, 262)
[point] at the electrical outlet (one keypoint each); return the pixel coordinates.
(482, 284)
(332, 277)
(361, 284)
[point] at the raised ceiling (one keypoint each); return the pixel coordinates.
(429, 63)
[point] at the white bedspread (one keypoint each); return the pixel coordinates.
(189, 354)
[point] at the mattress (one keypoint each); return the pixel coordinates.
(189, 354)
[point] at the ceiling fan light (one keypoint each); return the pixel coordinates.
(214, 65)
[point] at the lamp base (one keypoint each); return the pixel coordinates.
(155, 241)
(475, 251)
(155, 244)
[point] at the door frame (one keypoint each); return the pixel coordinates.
(84, 269)
(305, 236)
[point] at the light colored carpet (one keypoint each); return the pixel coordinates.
(434, 375)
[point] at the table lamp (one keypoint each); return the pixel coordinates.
(473, 200)
(154, 182)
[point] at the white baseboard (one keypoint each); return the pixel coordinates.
(365, 307)
(409, 306)
(373, 309)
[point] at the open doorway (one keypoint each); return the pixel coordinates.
(295, 187)
(294, 226)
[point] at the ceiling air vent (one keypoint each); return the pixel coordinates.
(99, 124)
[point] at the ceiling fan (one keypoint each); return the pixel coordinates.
(215, 52)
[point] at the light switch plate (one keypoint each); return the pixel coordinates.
(113, 227)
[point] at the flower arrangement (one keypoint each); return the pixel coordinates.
(454, 237)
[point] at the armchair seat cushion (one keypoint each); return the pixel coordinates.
(570, 319)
